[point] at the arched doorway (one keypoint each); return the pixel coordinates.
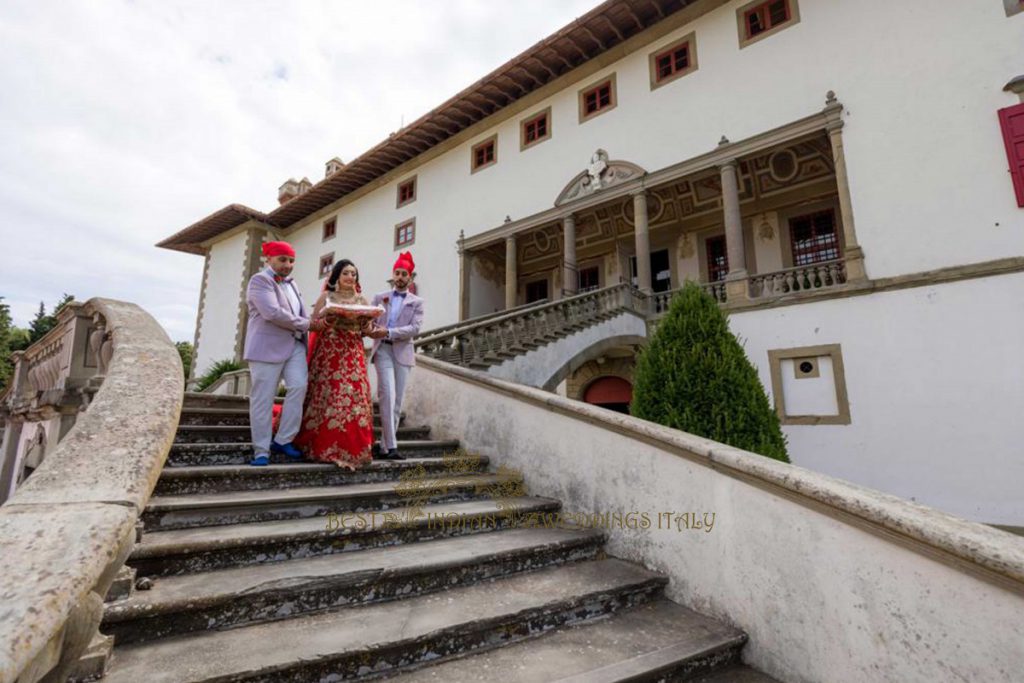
(613, 393)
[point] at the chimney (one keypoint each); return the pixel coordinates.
(333, 166)
(292, 188)
(288, 191)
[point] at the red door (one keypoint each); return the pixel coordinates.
(1012, 121)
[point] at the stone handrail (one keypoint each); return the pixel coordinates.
(486, 343)
(477, 319)
(68, 529)
(801, 278)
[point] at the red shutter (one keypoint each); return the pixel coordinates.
(1012, 121)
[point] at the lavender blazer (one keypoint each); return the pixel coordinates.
(407, 326)
(273, 329)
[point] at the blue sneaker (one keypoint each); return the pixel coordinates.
(288, 449)
(260, 460)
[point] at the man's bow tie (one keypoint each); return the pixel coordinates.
(278, 279)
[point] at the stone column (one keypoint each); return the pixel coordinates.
(642, 234)
(511, 272)
(465, 266)
(736, 288)
(852, 254)
(570, 273)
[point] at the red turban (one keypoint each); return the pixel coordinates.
(278, 249)
(404, 261)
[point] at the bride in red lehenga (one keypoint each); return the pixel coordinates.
(337, 418)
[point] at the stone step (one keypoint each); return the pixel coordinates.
(736, 673)
(279, 590)
(656, 641)
(200, 454)
(165, 553)
(213, 478)
(234, 416)
(356, 641)
(236, 507)
(242, 433)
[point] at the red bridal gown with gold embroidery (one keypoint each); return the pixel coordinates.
(337, 418)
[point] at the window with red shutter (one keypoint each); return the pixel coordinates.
(1012, 121)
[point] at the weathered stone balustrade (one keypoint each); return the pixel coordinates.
(799, 279)
(485, 342)
(69, 526)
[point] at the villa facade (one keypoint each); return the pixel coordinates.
(846, 179)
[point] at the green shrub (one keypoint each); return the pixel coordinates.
(216, 370)
(694, 376)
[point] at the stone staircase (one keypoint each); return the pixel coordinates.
(244, 574)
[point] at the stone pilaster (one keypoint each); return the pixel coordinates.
(852, 253)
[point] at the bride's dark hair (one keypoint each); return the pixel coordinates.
(332, 281)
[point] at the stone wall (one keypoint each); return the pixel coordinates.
(832, 581)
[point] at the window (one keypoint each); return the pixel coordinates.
(326, 263)
(536, 291)
(813, 238)
(590, 278)
(485, 153)
(761, 19)
(405, 233)
(406, 192)
(597, 98)
(718, 258)
(330, 228)
(535, 129)
(1011, 120)
(674, 61)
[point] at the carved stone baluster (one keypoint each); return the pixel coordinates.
(473, 356)
(455, 351)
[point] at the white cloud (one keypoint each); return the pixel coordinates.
(126, 121)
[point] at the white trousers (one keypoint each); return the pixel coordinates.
(391, 377)
(265, 379)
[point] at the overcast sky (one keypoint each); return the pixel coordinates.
(123, 122)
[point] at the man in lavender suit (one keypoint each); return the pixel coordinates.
(275, 347)
(393, 354)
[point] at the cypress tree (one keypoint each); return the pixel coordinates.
(694, 376)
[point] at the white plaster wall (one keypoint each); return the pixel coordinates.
(935, 377)
(218, 326)
(487, 296)
(767, 252)
(688, 267)
(924, 153)
(821, 599)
